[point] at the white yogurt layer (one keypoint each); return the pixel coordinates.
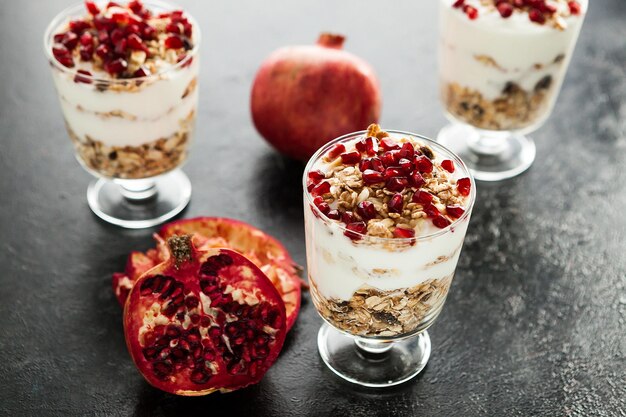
(152, 112)
(339, 266)
(524, 51)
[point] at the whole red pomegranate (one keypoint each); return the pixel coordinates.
(305, 96)
(203, 321)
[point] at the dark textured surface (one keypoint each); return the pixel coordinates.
(535, 323)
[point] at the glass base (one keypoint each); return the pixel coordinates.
(491, 156)
(137, 204)
(373, 363)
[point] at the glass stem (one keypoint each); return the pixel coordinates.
(488, 142)
(137, 191)
(370, 349)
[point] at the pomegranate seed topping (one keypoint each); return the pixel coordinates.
(86, 52)
(149, 32)
(393, 172)
(135, 6)
(403, 233)
(548, 8)
(117, 35)
(135, 42)
(70, 40)
(355, 230)
(112, 4)
(416, 180)
(316, 176)
(365, 164)
(366, 210)
(388, 144)
(102, 51)
(371, 145)
(464, 185)
(116, 67)
(536, 16)
(120, 47)
(455, 211)
(333, 215)
(574, 7)
(120, 18)
(350, 158)
(92, 8)
(58, 37)
(397, 184)
(103, 36)
(86, 39)
(79, 26)
(62, 55)
(458, 4)
(405, 165)
(388, 159)
(448, 165)
(360, 145)
(372, 177)
(174, 42)
(377, 164)
(321, 188)
(406, 151)
(337, 150)
(80, 77)
(470, 11)
(347, 217)
(505, 9)
(323, 207)
(422, 197)
(173, 28)
(431, 210)
(519, 3)
(441, 222)
(423, 164)
(141, 72)
(395, 203)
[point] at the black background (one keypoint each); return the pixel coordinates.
(535, 320)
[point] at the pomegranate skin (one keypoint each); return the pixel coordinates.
(305, 96)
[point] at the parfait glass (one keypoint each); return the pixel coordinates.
(132, 134)
(499, 80)
(378, 296)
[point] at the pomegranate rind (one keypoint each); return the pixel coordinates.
(241, 275)
(262, 249)
(136, 265)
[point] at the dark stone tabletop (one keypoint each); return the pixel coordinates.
(535, 323)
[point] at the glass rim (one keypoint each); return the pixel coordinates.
(59, 17)
(378, 239)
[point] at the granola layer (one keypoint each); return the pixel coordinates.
(135, 162)
(375, 313)
(514, 109)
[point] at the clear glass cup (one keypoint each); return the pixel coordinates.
(499, 80)
(132, 134)
(378, 296)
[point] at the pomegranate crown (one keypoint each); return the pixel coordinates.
(181, 249)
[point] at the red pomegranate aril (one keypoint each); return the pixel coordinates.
(574, 7)
(92, 8)
(366, 210)
(79, 26)
(173, 28)
(395, 203)
(388, 159)
(149, 32)
(121, 19)
(360, 145)
(536, 16)
(321, 188)
(505, 9)
(416, 180)
(431, 210)
(377, 164)
(141, 72)
(347, 217)
(455, 211)
(423, 164)
(174, 42)
(336, 150)
(403, 233)
(121, 47)
(406, 165)
(470, 11)
(135, 42)
(422, 197)
(371, 177)
(136, 6)
(58, 38)
(86, 52)
(350, 158)
(388, 144)
(116, 66)
(441, 222)
(116, 35)
(103, 51)
(355, 230)
(406, 151)
(371, 145)
(464, 185)
(324, 208)
(86, 39)
(333, 215)
(59, 50)
(365, 164)
(397, 184)
(80, 77)
(70, 40)
(316, 176)
(448, 165)
(458, 4)
(393, 172)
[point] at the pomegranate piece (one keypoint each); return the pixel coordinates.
(430, 210)
(416, 180)
(403, 233)
(388, 144)
(448, 165)
(366, 210)
(365, 164)
(135, 42)
(321, 205)
(82, 76)
(92, 8)
(536, 16)
(355, 230)
(422, 197)
(423, 164)
(351, 158)
(203, 321)
(321, 188)
(377, 164)
(470, 11)
(397, 184)
(405, 165)
(371, 177)
(174, 42)
(70, 40)
(455, 211)
(316, 176)
(388, 159)
(574, 7)
(336, 150)
(137, 264)
(334, 215)
(347, 217)
(441, 222)
(395, 203)
(116, 66)
(464, 185)
(505, 9)
(458, 4)
(393, 172)
(406, 151)
(63, 55)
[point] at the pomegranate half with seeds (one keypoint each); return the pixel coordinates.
(203, 321)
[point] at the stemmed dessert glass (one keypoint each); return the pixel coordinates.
(132, 134)
(499, 81)
(379, 338)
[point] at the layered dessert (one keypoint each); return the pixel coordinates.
(126, 75)
(502, 62)
(385, 217)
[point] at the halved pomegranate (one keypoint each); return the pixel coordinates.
(265, 251)
(203, 321)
